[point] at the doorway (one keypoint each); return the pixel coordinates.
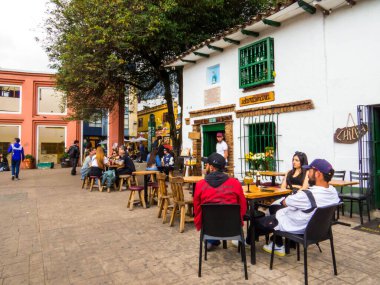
(376, 152)
(209, 137)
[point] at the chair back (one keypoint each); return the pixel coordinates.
(176, 184)
(161, 177)
(319, 226)
(339, 174)
(221, 220)
(364, 182)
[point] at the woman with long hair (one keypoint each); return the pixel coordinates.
(153, 160)
(296, 178)
(98, 162)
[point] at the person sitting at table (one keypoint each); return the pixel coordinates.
(296, 210)
(98, 162)
(126, 164)
(297, 178)
(217, 187)
(153, 160)
(167, 162)
(86, 165)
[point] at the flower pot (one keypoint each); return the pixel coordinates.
(28, 164)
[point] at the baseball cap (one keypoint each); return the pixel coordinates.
(217, 160)
(204, 159)
(219, 135)
(321, 165)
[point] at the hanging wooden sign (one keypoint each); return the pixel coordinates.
(349, 135)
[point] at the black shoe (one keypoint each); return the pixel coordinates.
(13, 177)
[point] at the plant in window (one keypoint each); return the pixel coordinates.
(29, 157)
(256, 161)
(269, 158)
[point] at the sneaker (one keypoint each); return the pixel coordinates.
(278, 250)
(13, 177)
(212, 246)
(235, 243)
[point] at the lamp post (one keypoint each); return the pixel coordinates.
(151, 130)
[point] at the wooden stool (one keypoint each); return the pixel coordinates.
(131, 199)
(124, 177)
(85, 182)
(92, 183)
(153, 191)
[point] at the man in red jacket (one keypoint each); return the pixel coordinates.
(218, 188)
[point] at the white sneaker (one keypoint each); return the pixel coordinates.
(278, 250)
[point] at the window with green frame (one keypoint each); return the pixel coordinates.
(261, 136)
(256, 63)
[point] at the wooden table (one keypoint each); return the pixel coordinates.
(261, 194)
(146, 174)
(342, 183)
(273, 174)
(193, 180)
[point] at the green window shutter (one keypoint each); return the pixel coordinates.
(256, 63)
(260, 136)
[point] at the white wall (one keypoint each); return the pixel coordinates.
(332, 60)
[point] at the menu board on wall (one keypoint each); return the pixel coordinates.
(212, 96)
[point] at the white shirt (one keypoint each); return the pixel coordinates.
(292, 219)
(221, 147)
(94, 162)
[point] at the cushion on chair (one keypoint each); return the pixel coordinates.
(95, 177)
(136, 188)
(153, 184)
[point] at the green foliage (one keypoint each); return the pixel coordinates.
(30, 157)
(101, 46)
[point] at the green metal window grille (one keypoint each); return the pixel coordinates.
(259, 135)
(256, 63)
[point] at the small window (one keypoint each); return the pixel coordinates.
(51, 101)
(256, 63)
(7, 135)
(141, 121)
(10, 99)
(165, 117)
(96, 122)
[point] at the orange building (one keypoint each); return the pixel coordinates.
(33, 110)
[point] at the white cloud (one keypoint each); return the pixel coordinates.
(21, 22)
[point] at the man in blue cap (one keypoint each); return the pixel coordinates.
(297, 209)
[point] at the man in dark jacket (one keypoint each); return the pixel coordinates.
(74, 154)
(217, 187)
(17, 156)
(128, 165)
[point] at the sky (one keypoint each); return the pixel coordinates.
(21, 21)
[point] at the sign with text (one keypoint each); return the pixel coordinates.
(350, 135)
(257, 99)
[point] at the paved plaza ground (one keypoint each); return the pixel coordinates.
(53, 232)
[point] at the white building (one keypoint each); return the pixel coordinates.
(326, 64)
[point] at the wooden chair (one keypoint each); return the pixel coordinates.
(179, 202)
(163, 197)
(123, 178)
(135, 189)
(85, 182)
(92, 183)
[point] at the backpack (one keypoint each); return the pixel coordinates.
(71, 152)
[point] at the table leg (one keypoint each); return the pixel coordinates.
(273, 180)
(146, 178)
(253, 238)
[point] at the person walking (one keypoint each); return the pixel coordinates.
(74, 154)
(17, 156)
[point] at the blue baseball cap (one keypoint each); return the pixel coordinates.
(321, 165)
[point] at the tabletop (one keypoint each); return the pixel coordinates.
(264, 192)
(145, 172)
(192, 179)
(271, 173)
(342, 183)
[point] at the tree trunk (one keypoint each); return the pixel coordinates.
(169, 101)
(180, 103)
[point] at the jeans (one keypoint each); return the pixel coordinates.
(15, 167)
(74, 163)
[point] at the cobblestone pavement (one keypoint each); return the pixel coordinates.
(53, 232)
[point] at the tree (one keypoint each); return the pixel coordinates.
(101, 46)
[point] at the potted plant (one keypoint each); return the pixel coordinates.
(65, 160)
(29, 161)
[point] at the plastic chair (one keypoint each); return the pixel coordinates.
(221, 222)
(317, 230)
(362, 196)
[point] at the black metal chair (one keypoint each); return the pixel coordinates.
(318, 229)
(221, 222)
(340, 175)
(363, 195)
